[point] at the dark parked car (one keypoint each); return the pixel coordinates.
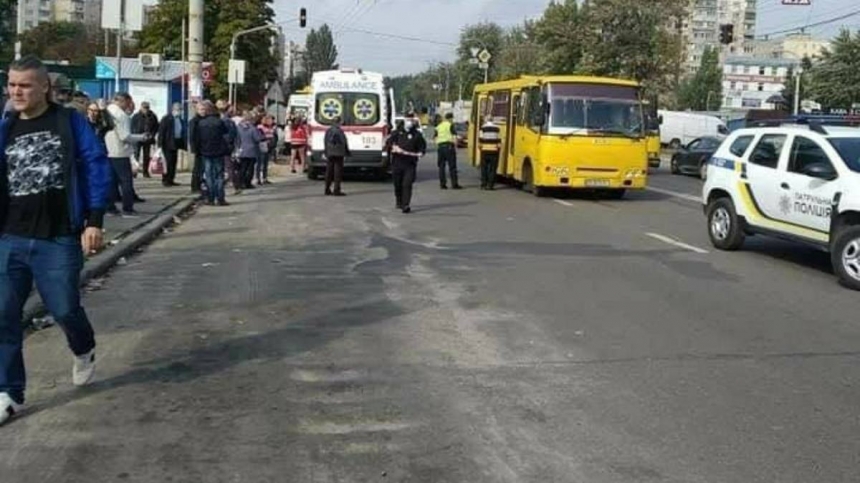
(462, 130)
(693, 158)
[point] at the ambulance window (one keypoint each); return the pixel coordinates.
(740, 146)
(768, 150)
(805, 152)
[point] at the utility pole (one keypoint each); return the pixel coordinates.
(120, 34)
(195, 49)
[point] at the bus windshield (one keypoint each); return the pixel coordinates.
(595, 109)
(354, 108)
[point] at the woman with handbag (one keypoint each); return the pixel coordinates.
(248, 142)
(267, 149)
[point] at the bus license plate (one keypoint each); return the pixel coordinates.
(600, 183)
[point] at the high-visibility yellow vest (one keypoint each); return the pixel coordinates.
(443, 133)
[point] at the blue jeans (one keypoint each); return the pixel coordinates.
(214, 172)
(55, 265)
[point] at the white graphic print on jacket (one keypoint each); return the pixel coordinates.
(35, 164)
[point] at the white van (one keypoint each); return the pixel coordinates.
(680, 128)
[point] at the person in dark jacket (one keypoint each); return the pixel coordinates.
(54, 185)
(248, 142)
(171, 138)
(144, 122)
(406, 145)
(336, 149)
(211, 136)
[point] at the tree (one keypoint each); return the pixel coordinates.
(790, 80)
(635, 40)
(488, 36)
(704, 91)
(559, 34)
(222, 19)
(520, 53)
(320, 50)
(62, 41)
(7, 28)
(834, 80)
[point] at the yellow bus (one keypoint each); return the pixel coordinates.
(565, 132)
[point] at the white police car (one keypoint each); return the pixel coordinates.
(796, 182)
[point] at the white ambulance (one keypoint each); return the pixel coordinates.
(366, 109)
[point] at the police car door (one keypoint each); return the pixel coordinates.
(762, 173)
(807, 200)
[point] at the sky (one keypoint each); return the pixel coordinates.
(437, 23)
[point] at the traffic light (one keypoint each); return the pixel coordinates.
(727, 33)
(303, 17)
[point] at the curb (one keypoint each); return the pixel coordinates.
(128, 243)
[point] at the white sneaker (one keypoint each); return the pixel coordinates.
(84, 368)
(8, 407)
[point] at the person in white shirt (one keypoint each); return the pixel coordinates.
(120, 146)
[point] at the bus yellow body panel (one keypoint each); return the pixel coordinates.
(550, 150)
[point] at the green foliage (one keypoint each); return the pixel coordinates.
(561, 38)
(834, 80)
(222, 18)
(488, 36)
(7, 29)
(320, 51)
(62, 41)
(705, 86)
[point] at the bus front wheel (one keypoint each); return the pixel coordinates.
(529, 183)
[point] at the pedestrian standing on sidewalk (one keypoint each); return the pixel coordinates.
(267, 149)
(120, 145)
(446, 138)
(171, 138)
(299, 142)
(406, 145)
(336, 149)
(249, 140)
(211, 136)
(100, 122)
(144, 122)
(231, 163)
(55, 182)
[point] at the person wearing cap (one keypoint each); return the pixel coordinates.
(406, 145)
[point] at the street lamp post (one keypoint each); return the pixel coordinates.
(232, 87)
(797, 91)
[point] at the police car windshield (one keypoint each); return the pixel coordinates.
(849, 150)
(593, 109)
(355, 108)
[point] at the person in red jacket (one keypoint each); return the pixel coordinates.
(299, 139)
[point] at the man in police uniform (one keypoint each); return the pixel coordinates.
(447, 151)
(489, 143)
(406, 145)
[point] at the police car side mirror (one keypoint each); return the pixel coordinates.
(820, 171)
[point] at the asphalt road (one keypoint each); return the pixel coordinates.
(486, 337)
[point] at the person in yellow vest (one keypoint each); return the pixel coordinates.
(446, 146)
(489, 143)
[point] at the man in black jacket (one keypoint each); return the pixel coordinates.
(144, 122)
(336, 150)
(210, 135)
(171, 138)
(406, 145)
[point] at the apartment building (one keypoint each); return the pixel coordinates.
(702, 29)
(793, 46)
(33, 12)
(750, 82)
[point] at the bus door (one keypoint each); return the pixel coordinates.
(501, 112)
(479, 110)
(513, 115)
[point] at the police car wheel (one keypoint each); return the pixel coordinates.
(724, 227)
(845, 256)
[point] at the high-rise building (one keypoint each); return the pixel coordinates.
(793, 46)
(702, 29)
(93, 13)
(34, 12)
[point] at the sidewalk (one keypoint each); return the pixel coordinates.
(123, 236)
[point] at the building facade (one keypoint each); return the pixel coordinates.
(33, 12)
(702, 29)
(793, 46)
(755, 82)
(93, 13)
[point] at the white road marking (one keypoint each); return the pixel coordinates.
(565, 203)
(683, 196)
(672, 241)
